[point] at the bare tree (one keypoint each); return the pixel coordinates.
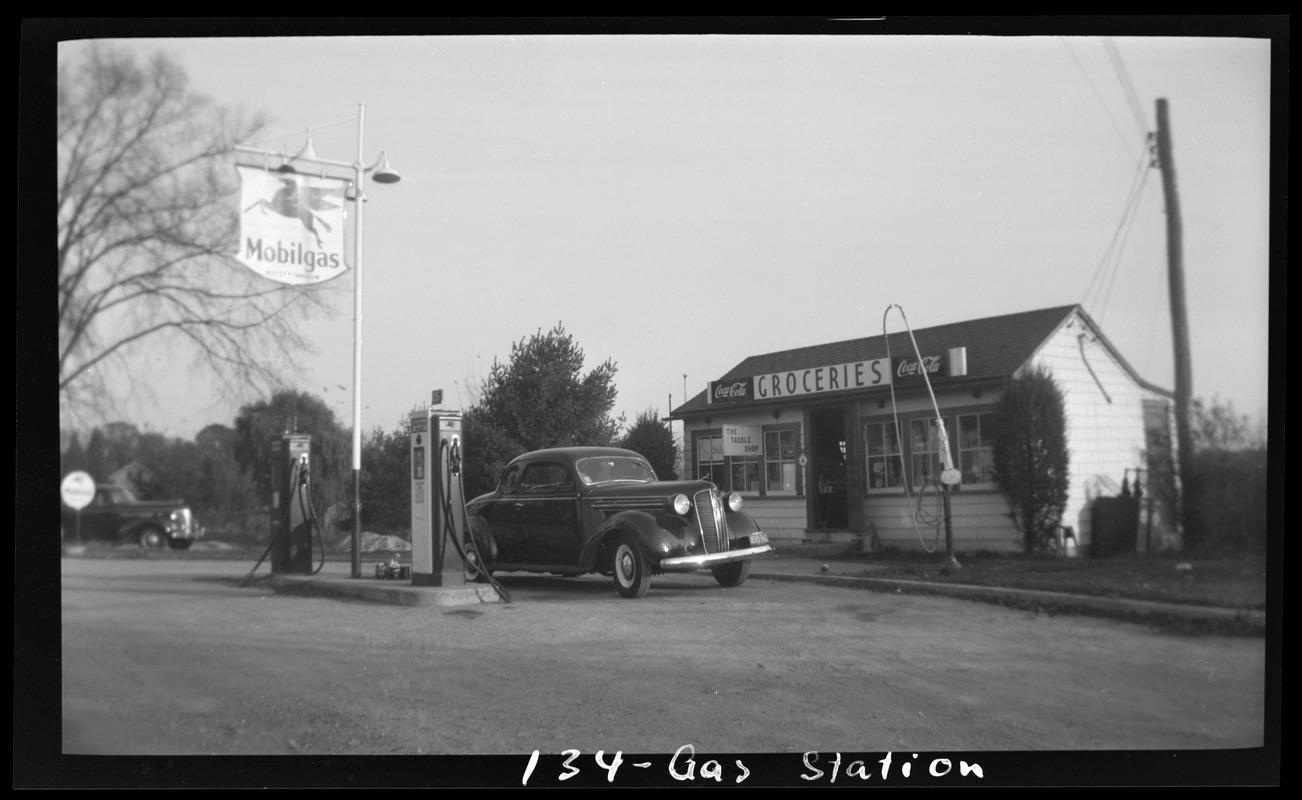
(148, 225)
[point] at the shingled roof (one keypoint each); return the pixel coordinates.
(996, 347)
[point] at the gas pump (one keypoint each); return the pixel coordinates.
(291, 506)
(437, 507)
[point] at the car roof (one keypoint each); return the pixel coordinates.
(575, 453)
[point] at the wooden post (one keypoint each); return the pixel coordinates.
(1179, 322)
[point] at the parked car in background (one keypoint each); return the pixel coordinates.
(577, 510)
(115, 515)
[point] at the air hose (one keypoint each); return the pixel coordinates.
(918, 512)
(451, 455)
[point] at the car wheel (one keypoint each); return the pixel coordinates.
(475, 570)
(630, 568)
(733, 574)
(179, 544)
(152, 538)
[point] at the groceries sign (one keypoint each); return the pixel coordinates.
(797, 382)
(838, 377)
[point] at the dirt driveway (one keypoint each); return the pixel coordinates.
(173, 658)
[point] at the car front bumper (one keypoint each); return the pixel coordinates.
(688, 563)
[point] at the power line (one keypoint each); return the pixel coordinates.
(1127, 86)
(1098, 95)
(1112, 255)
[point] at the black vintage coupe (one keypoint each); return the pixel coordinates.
(576, 510)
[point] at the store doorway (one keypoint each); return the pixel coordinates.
(829, 501)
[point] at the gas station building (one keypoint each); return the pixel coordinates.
(808, 436)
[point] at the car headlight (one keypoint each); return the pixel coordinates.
(734, 501)
(679, 504)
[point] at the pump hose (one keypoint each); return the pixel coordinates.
(449, 522)
(309, 513)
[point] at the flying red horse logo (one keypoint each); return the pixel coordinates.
(301, 203)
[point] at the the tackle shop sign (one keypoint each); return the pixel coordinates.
(291, 225)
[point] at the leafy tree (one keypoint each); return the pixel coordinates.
(1031, 460)
(74, 457)
(651, 438)
(225, 498)
(487, 451)
(97, 456)
(540, 398)
(386, 481)
(111, 447)
(147, 220)
(260, 426)
(1226, 484)
(1218, 426)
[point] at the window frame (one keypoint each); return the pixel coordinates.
(869, 457)
(797, 489)
(759, 463)
(907, 453)
(986, 438)
(697, 465)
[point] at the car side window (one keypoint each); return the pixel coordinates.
(542, 478)
(510, 483)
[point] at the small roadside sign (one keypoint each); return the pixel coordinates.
(77, 490)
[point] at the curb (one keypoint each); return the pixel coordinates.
(374, 591)
(405, 594)
(1250, 618)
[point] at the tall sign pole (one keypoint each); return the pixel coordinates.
(286, 202)
(1179, 320)
(355, 554)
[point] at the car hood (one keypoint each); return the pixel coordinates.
(155, 505)
(657, 489)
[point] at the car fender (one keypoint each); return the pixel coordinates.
(132, 528)
(741, 524)
(483, 536)
(660, 535)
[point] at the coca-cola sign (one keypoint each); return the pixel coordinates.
(912, 368)
(733, 391)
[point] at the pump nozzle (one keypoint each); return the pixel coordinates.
(454, 457)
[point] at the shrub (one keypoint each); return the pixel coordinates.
(1230, 506)
(1031, 460)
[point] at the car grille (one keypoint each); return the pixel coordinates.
(714, 526)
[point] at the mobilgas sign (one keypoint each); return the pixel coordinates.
(291, 226)
(797, 382)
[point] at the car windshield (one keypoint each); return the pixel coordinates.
(615, 469)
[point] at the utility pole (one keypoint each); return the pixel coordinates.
(1179, 321)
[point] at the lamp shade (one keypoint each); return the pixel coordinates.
(385, 173)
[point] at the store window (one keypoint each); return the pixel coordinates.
(885, 459)
(919, 459)
(710, 463)
(781, 449)
(924, 452)
(974, 449)
(745, 474)
(775, 473)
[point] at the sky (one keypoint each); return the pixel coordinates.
(682, 201)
